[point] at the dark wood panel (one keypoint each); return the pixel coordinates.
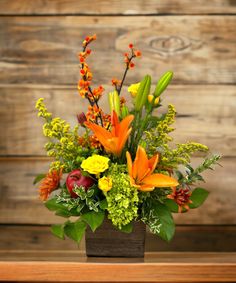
(101, 7)
(43, 49)
(19, 202)
(187, 238)
(206, 114)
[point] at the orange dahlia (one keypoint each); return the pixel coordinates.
(49, 183)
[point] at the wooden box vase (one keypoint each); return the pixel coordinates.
(107, 241)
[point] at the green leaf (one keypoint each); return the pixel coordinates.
(75, 230)
(53, 205)
(128, 228)
(159, 219)
(103, 204)
(38, 178)
(58, 230)
(90, 193)
(167, 228)
(93, 219)
(172, 205)
(80, 207)
(198, 197)
(63, 213)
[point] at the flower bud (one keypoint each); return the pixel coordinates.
(156, 101)
(124, 112)
(81, 118)
(143, 92)
(163, 83)
(114, 102)
(150, 98)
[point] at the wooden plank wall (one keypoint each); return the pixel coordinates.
(39, 41)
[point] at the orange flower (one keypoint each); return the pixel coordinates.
(49, 183)
(114, 140)
(141, 170)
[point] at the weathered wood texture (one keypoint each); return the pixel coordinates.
(110, 242)
(113, 7)
(206, 114)
(43, 49)
(38, 59)
(211, 238)
(160, 267)
(19, 201)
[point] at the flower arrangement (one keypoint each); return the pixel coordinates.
(121, 165)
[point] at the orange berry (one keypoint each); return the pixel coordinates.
(131, 65)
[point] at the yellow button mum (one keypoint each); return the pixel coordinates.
(133, 89)
(105, 184)
(95, 164)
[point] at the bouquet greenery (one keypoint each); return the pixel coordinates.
(122, 165)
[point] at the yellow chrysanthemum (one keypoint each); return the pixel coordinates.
(133, 89)
(105, 184)
(95, 164)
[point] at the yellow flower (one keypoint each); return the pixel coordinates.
(105, 184)
(95, 164)
(133, 89)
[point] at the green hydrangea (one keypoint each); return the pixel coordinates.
(122, 200)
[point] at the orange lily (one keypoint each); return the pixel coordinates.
(141, 170)
(114, 140)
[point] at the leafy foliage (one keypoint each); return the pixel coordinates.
(75, 230)
(159, 219)
(198, 197)
(94, 219)
(194, 175)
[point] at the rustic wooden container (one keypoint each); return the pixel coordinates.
(107, 241)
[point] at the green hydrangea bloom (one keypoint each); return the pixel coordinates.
(122, 200)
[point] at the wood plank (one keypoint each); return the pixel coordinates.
(43, 49)
(102, 7)
(202, 111)
(19, 201)
(207, 238)
(196, 267)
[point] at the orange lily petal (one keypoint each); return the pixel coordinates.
(99, 131)
(140, 166)
(146, 188)
(160, 180)
(152, 163)
(129, 163)
(124, 124)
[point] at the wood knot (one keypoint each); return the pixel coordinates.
(171, 45)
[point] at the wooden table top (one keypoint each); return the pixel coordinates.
(74, 266)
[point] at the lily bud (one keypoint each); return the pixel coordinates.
(143, 92)
(114, 102)
(163, 83)
(124, 112)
